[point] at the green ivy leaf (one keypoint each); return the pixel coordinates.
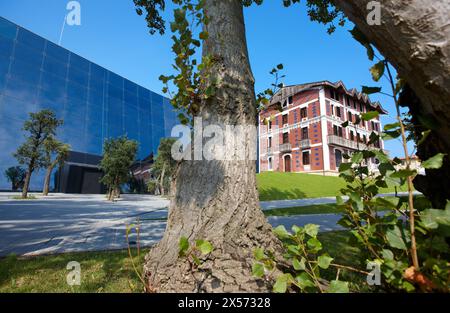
(281, 232)
(299, 265)
(314, 244)
(312, 229)
(281, 283)
(337, 286)
(398, 238)
(183, 246)
(434, 162)
(370, 115)
(258, 270)
(259, 254)
(304, 281)
(324, 261)
(404, 173)
(377, 70)
(370, 90)
(204, 246)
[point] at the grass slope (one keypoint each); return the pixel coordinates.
(105, 271)
(286, 186)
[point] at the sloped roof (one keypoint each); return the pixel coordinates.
(288, 91)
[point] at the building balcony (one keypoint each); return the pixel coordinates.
(339, 141)
(285, 147)
(305, 143)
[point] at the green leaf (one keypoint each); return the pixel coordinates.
(403, 173)
(370, 90)
(296, 229)
(280, 66)
(259, 254)
(258, 270)
(357, 157)
(314, 244)
(391, 126)
(425, 135)
(369, 115)
(345, 167)
(204, 246)
(312, 229)
(377, 71)
(299, 265)
(337, 286)
(362, 39)
(345, 124)
(432, 218)
(183, 246)
(398, 238)
(281, 232)
(389, 202)
(434, 162)
(281, 283)
(324, 261)
(387, 254)
(304, 281)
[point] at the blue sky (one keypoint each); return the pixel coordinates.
(112, 35)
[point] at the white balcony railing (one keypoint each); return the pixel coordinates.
(285, 147)
(305, 143)
(339, 141)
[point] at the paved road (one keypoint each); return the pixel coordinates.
(64, 223)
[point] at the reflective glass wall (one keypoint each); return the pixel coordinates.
(94, 103)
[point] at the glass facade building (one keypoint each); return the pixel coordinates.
(94, 103)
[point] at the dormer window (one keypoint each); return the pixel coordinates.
(290, 100)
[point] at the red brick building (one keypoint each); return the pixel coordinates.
(306, 135)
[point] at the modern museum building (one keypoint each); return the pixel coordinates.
(94, 103)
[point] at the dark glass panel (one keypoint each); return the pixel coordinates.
(130, 99)
(16, 109)
(144, 104)
(115, 80)
(57, 107)
(157, 113)
(93, 144)
(55, 67)
(75, 107)
(76, 91)
(6, 46)
(20, 90)
(94, 113)
(115, 92)
(96, 85)
(7, 29)
(24, 72)
(56, 94)
(97, 72)
(93, 128)
(78, 62)
(79, 77)
(130, 87)
(50, 81)
(56, 52)
(25, 54)
(95, 98)
(143, 93)
(30, 40)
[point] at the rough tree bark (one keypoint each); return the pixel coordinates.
(48, 175)
(26, 184)
(414, 36)
(217, 200)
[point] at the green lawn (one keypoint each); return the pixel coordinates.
(111, 271)
(106, 271)
(285, 186)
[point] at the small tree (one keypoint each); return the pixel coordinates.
(164, 166)
(118, 156)
(15, 175)
(56, 153)
(31, 153)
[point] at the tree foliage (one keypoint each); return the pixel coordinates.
(32, 153)
(16, 176)
(164, 166)
(118, 156)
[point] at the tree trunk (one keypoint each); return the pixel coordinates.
(414, 36)
(161, 182)
(217, 200)
(26, 185)
(47, 178)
